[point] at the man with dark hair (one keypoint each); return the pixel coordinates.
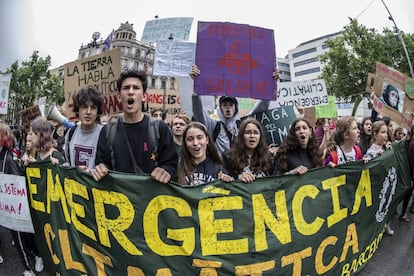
(81, 140)
(126, 145)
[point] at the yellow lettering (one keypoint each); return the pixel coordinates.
(320, 268)
(163, 272)
(49, 236)
(296, 260)
(77, 210)
(115, 226)
(67, 255)
(55, 193)
(263, 216)
(210, 227)
(350, 240)
(338, 214)
(363, 190)
(34, 173)
(254, 269)
(208, 268)
(185, 236)
(135, 271)
(301, 225)
(99, 258)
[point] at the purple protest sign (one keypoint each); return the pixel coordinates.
(236, 60)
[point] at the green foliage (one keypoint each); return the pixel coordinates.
(355, 53)
(33, 80)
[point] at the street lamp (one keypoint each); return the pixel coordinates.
(401, 38)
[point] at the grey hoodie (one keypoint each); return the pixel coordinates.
(222, 141)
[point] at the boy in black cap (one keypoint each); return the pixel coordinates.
(224, 131)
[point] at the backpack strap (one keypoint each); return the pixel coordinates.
(110, 133)
(358, 155)
(216, 131)
(334, 156)
(154, 138)
(70, 135)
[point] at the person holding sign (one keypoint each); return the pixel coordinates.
(24, 242)
(299, 151)
(249, 157)
(224, 131)
(199, 162)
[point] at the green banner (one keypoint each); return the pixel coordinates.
(327, 111)
(328, 221)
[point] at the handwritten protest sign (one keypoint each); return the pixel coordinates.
(235, 60)
(101, 71)
(14, 207)
(276, 123)
(28, 115)
(391, 98)
(306, 93)
(161, 29)
(173, 58)
(4, 92)
(327, 111)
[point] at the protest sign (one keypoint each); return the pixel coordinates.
(328, 221)
(393, 94)
(276, 123)
(235, 60)
(101, 71)
(14, 207)
(305, 93)
(327, 111)
(4, 92)
(173, 58)
(177, 28)
(28, 115)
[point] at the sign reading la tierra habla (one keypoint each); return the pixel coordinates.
(101, 71)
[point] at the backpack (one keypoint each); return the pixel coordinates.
(358, 155)
(229, 134)
(154, 138)
(70, 135)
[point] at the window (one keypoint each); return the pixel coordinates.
(306, 72)
(306, 61)
(304, 52)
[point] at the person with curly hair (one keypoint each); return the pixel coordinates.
(299, 151)
(249, 158)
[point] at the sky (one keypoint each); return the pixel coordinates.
(59, 27)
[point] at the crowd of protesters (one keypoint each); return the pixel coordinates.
(193, 151)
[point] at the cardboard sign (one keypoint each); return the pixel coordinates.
(101, 71)
(4, 92)
(390, 97)
(235, 60)
(28, 115)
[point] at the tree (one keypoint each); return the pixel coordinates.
(33, 80)
(355, 53)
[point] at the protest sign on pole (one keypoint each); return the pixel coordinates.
(4, 92)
